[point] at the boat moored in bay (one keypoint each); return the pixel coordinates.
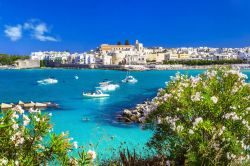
(97, 94)
(47, 81)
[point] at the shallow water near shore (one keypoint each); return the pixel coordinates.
(101, 127)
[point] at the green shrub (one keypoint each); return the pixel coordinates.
(27, 139)
(10, 59)
(204, 120)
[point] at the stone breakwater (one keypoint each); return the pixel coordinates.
(141, 67)
(26, 106)
(139, 113)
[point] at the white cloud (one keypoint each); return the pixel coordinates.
(13, 32)
(39, 30)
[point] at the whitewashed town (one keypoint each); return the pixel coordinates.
(136, 56)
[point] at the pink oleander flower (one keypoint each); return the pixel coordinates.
(15, 126)
(73, 161)
(26, 120)
(16, 163)
(19, 109)
(37, 119)
(190, 131)
(15, 115)
(196, 97)
(214, 99)
(92, 154)
(197, 121)
(3, 161)
(75, 144)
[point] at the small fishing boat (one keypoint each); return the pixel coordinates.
(97, 94)
(47, 81)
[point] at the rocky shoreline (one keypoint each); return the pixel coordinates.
(142, 67)
(132, 67)
(138, 113)
(28, 105)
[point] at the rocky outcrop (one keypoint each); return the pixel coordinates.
(29, 105)
(139, 113)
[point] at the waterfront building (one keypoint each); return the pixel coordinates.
(118, 58)
(123, 54)
(244, 56)
(160, 57)
(65, 57)
(171, 56)
(89, 59)
(106, 59)
(136, 59)
(139, 46)
(137, 54)
(106, 48)
(151, 57)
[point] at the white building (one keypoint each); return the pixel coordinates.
(65, 57)
(106, 59)
(137, 59)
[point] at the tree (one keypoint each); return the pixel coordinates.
(119, 43)
(204, 120)
(10, 59)
(127, 42)
(26, 139)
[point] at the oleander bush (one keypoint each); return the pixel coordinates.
(27, 139)
(203, 120)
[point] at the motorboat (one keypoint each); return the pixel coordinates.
(76, 77)
(97, 94)
(129, 79)
(107, 86)
(48, 81)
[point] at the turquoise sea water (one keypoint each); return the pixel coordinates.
(102, 129)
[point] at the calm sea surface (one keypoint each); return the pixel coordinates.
(102, 130)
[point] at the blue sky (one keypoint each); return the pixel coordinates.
(80, 25)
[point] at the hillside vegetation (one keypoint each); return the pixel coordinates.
(10, 59)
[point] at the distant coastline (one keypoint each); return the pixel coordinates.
(131, 67)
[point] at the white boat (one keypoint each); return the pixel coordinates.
(47, 81)
(97, 94)
(129, 79)
(107, 86)
(76, 77)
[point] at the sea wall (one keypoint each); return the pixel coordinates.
(27, 63)
(140, 67)
(85, 66)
